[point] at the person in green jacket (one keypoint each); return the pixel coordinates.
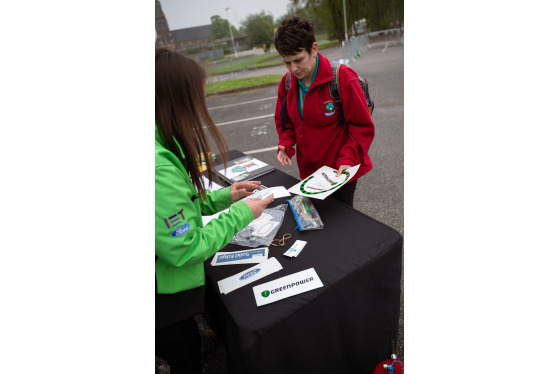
(182, 243)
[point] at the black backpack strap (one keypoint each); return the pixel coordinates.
(283, 121)
(333, 89)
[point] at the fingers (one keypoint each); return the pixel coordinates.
(268, 200)
(341, 169)
(283, 158)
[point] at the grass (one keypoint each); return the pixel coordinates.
(261, 61)
(215, 87)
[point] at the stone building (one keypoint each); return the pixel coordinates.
(164, 36)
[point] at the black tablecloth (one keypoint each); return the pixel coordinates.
(344, 327)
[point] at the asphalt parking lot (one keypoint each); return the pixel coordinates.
(246, 120)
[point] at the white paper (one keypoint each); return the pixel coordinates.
(295, 249)
(287, 286)
(206, 219)
(279, 191)
(256, 223)
(249, 275)
(323, 182)
(265, 229)
(210, 186)
(250, 256)
(260, 194)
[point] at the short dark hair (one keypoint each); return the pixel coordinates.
(294, 35)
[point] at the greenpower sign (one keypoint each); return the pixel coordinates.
(287, 286)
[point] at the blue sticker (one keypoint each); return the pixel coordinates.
(250, 274)
(180, 231)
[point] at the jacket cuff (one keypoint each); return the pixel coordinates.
(224, 194)
(241, 209)
(339, 163)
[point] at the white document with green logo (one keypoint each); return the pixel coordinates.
(323, 182)
(287, 286)
(249, 276)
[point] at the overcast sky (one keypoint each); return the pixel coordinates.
(181, 14)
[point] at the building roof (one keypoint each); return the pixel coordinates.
(191, 33)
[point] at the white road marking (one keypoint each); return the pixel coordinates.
(245, 102)
(258, 130)
(261, 150)
(246, 119)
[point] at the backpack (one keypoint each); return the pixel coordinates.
(333, 90)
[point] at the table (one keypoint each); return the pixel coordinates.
(344, 327)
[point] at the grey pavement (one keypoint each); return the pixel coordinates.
(246, 121)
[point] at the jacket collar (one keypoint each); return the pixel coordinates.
(324, 73)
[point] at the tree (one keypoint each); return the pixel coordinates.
(259, 28)
(220, 28)
(380, 14)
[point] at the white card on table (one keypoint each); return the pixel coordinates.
(249, 275)
(287, 286)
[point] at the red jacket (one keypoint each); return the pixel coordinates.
(320, 139)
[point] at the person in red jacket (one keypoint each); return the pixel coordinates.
(312, 116)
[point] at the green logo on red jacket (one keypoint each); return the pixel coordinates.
(330, 108)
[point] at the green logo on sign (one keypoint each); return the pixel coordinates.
(265, 293)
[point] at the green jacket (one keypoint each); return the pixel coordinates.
(182, 243)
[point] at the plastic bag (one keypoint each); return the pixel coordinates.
(307, 217)
(262, 236)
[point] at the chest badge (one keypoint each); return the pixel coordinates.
(329, 108)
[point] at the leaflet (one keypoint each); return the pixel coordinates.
(323, 182)
(250, 256)
(249, 275)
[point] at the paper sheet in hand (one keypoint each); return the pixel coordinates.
(323, 182)
(249, 276)
(250, 256)
(287, 286)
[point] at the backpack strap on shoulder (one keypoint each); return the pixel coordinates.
(333, 90)
(284, 110)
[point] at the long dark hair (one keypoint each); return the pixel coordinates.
(181, 113)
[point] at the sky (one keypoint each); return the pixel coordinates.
(181, 14)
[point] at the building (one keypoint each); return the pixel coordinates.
(182, 40)
(191, 37)
(164, 36)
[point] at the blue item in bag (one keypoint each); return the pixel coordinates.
(305, 214)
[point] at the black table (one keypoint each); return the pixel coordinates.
(344, 327)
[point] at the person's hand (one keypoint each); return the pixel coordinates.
(239, 190)
(257, 205)
(341, 168)
(282, 156)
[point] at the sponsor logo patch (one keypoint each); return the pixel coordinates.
(180, 231)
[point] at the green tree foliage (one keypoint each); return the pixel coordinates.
(220, 28)
(259, 28)
(300, 9)
(329, 14)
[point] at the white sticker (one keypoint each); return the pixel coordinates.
(295, 249)
(250, 275)
(287, 286)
